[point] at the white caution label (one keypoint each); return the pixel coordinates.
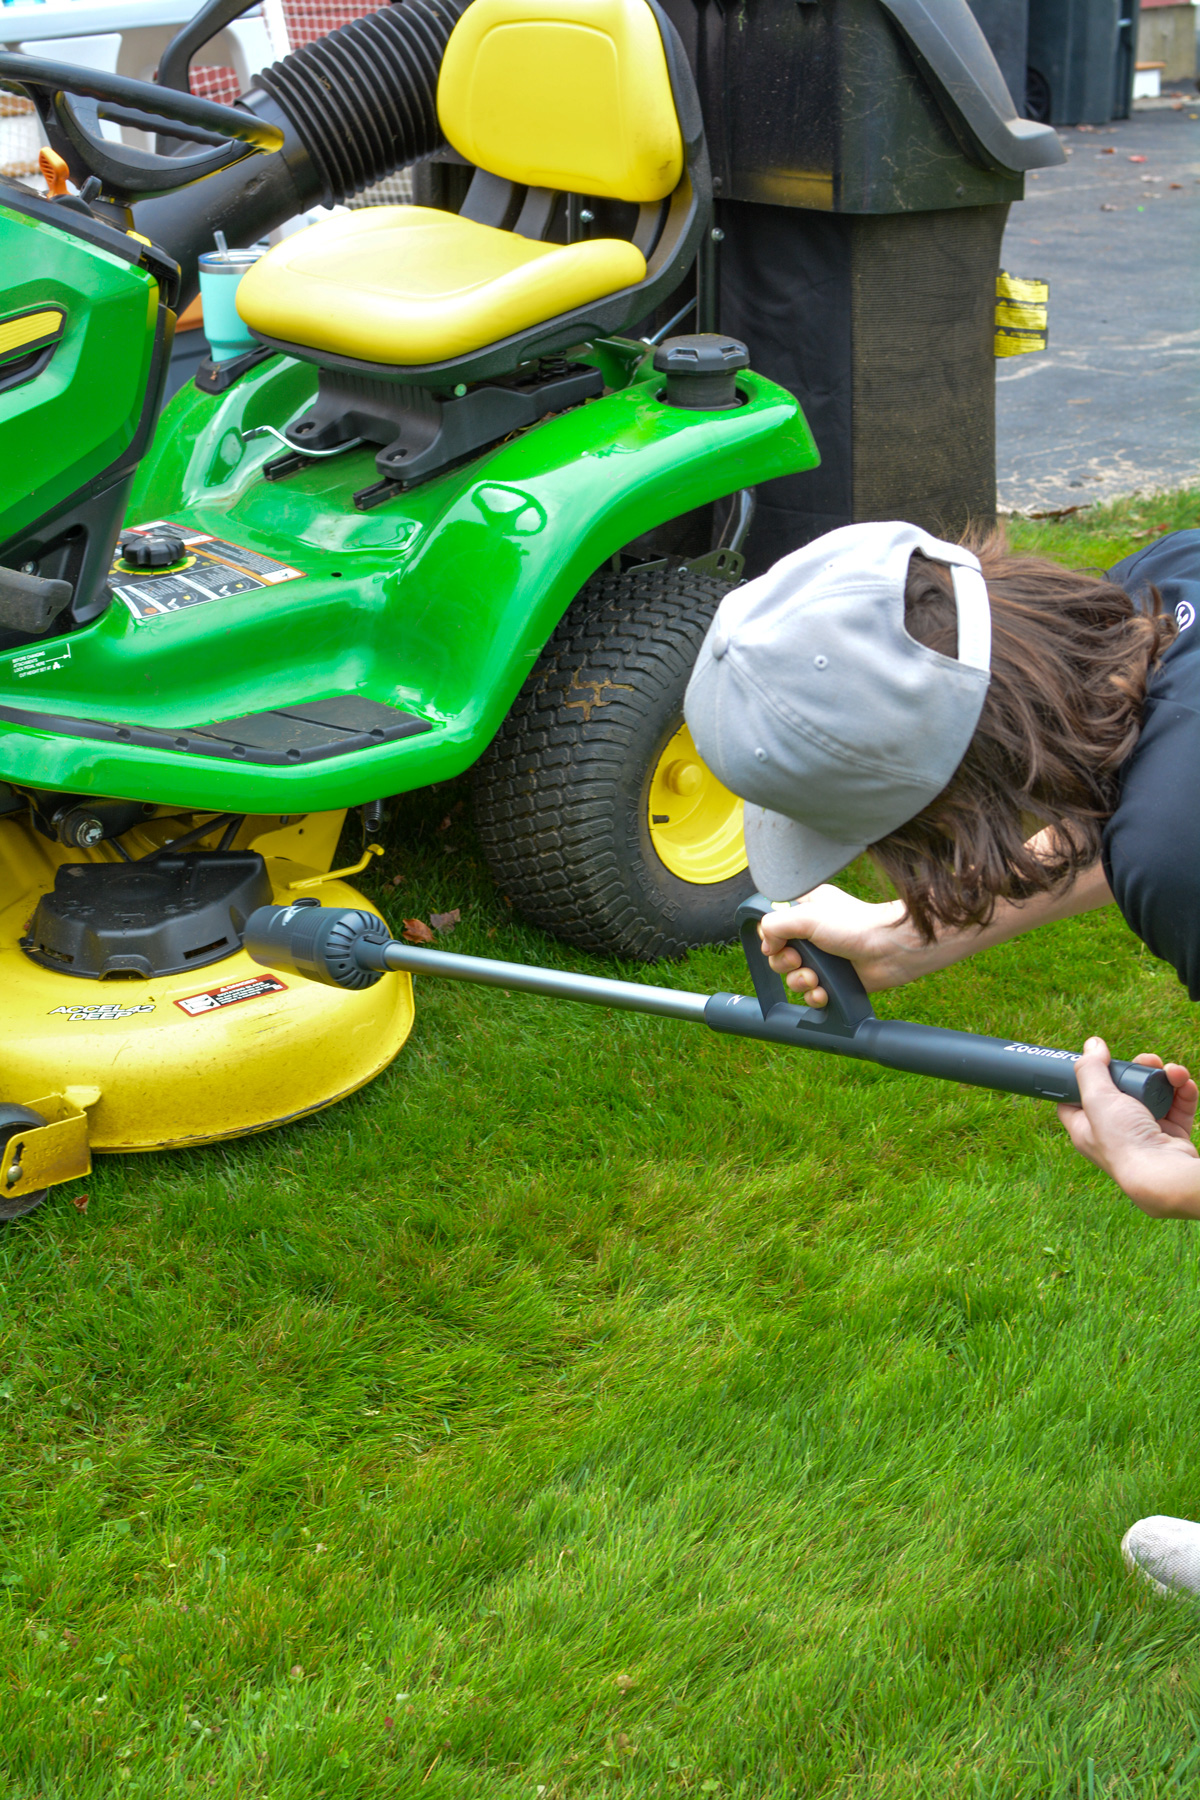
(253, 988)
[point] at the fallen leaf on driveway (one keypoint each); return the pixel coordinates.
(416, 931)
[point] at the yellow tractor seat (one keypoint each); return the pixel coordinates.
(436, 332)
(408, 284)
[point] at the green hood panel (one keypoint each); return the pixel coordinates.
(79, 413)
(437, 602)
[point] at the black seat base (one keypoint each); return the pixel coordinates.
(421, 431)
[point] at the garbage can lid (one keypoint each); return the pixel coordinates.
(949, 46)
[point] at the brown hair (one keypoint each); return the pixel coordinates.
(1070, 658)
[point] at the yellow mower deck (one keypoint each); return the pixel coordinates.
(192, 1058)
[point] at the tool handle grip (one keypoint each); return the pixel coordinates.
(848, 1004)
(1151, 1086)
(849, 1025)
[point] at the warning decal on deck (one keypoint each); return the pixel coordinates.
(40, 661)
(212, 569)
(253, 988)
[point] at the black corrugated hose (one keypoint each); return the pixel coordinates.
(353, 107)
(364, 99)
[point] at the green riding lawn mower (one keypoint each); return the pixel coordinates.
(451, 511)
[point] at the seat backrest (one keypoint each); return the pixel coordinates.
(567, 94)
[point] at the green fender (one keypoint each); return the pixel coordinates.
(437, 602)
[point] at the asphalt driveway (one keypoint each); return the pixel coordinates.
(1113, 405)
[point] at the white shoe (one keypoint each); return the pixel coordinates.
(1166, 1553)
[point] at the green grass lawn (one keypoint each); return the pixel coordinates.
(1098, 536)
(594, 1406)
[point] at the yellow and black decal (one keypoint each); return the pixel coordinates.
(27, 342)
(1022, 310)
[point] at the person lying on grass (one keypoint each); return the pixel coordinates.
(933, 703)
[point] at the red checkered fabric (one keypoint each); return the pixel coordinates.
(213, 81)
(309, 19)
(19, 137)
(305, 19)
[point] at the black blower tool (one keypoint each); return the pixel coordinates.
(352, 949)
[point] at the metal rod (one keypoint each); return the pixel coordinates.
(335, 945)
(741, 517)
(556, 984)
(1003, 1064)
(708, 279)
(190, 837)
(665, 330)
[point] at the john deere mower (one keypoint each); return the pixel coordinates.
(451, 509)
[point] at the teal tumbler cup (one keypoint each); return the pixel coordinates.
(220, 272)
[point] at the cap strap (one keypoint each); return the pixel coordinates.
(974, 617)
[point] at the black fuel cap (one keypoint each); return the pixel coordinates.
(152, 552)
(701, 370)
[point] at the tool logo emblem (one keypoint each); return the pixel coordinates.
(89, 1015)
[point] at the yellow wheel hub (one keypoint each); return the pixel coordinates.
(695, 823)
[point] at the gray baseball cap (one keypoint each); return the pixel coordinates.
(811, 701)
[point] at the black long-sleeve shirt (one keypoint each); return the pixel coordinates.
(1151, 847)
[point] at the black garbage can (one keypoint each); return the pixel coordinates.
(1081, 58)
(865, 154)
(1005, 25)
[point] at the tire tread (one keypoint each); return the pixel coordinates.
(544, 790)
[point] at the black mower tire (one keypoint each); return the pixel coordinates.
(561, 793)
(13, 1120)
